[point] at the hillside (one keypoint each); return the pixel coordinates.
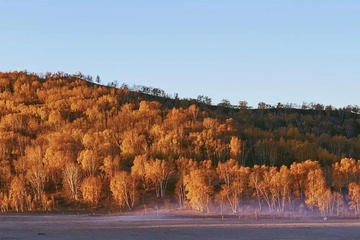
(67, 142)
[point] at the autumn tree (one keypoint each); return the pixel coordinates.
(17, 193)
(133, 143)
(89, 160)
(166, 144)
(4, 202)
(12, 152)
(97, 146)
(159, 172)
(104, 108)
(36, 174)
(169, 136)
(284, 182)
(198, 192)
(345, 172)
(37, 177)
(149, 115)
(5, 174)
(199, 185)
(337, 204)
(354, 196)
(272, 186)
(299, 171)
(63, 148)
(194, 113)
(138, 171)
(255, 181)
(123, 187)
(111, 166)
(91, 190)
(236, 149)
(331, 203)
(210, 142)
(72, 179)
(123, 121)
(316, 190)
(267, 187)
(183, 167)
(234, 180)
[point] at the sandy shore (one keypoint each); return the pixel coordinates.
(153, 226)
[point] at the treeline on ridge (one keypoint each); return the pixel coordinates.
(67, 142)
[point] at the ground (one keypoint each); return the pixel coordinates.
(171, 226)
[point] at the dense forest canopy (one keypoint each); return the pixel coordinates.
(66, 141)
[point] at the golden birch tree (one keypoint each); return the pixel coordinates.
(235, 148)
(72, 179)
(17, 193)
(315, 189)
(159, 172)
(124, 189)
(354, 197)
(91, 190)
(183, 166)
(198, 191)
(234, 180)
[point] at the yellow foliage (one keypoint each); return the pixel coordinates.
(17, 193)
(123, 187)
(91, 190)
(354, 196)
(198, 191)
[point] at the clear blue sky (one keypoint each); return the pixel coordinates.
(264, 50)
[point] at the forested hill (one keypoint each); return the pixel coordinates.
(34, 107)
(60, 134)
